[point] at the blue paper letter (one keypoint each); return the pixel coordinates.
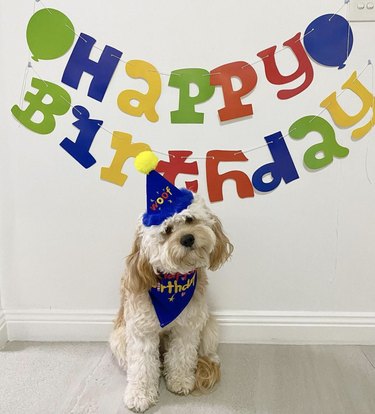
(101, 71)
(88, 128)
(281, 168)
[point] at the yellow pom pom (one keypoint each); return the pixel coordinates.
(146, 161)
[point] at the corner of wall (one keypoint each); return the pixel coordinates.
(3, 329)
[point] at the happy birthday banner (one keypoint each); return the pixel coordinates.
(328, 40)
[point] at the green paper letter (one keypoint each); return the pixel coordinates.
(182, 78)
(329, 147)
(59, 105)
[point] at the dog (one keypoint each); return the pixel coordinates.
(163, 258)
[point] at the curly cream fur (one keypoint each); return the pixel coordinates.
(207, 375)
(190, 360)
(223, 247)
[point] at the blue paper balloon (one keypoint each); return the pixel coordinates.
(329, 40)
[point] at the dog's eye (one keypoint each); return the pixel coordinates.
(168, 230)
(189, 220)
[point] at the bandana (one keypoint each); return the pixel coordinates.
(172, 294)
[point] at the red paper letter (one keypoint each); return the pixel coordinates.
(177, 165)
(304, 68)
(215, 180)
(222, 76)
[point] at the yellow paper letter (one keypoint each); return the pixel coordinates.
(343, 119)
(146, 101)
(125, 149)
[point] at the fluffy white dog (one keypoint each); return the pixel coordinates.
(181, 247)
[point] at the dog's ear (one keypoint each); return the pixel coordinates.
(139, 275)
(223, 248)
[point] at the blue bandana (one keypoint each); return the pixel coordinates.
(172, 295)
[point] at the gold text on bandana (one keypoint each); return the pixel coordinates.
(174, 287)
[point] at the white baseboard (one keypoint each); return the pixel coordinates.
(3, 330)
(235, 326)
(349, 328)
(59, 325)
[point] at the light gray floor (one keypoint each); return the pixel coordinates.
(82, 378)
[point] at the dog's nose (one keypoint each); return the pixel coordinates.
(187, 240)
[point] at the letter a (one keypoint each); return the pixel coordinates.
(146, 101)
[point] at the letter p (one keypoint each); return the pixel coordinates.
(182, 78)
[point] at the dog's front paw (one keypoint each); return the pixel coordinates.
(181, 386)
(139, 399)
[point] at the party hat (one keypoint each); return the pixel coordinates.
(163, 199)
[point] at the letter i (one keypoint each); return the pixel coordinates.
(88, 128)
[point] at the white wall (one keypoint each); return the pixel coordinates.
(303, 253)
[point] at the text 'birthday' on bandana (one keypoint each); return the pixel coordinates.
(172, 294)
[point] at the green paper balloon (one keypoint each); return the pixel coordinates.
(49, 34)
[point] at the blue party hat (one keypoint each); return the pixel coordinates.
(163, 199)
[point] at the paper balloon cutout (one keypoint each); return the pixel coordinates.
(49, 34)
(329, 40)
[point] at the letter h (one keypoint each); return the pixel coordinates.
(101, 71)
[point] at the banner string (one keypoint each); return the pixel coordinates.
(369, 63)
(275, 53)
(346, 2)
(169, 74)
(40, 1)
(25, 76)
(372, 119)
(77, 35)
(37, 74)
(26, 72)
(324, 109)
(178, 74)
(348, 34)
(366, 166)
(163, 153)
(72, 106)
